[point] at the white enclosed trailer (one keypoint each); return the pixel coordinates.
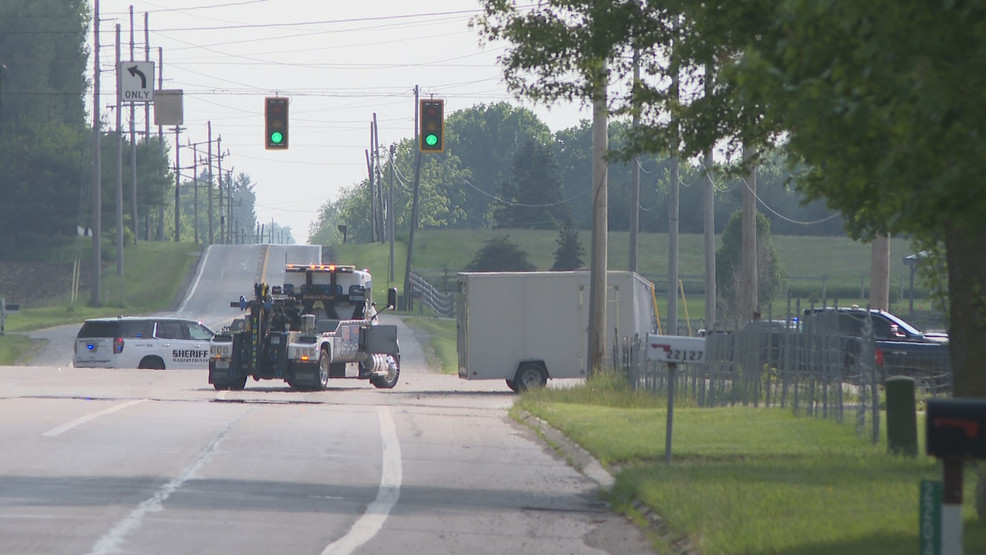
(526, 327)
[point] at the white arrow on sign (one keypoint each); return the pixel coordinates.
(136, 81)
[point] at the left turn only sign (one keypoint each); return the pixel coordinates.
(135, 81)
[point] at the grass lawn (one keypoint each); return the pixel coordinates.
(752, 480)
(443, 352)
(153, 274)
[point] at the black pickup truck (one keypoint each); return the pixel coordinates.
(900, 349)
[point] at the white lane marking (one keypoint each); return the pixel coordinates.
(390, 490)
(198, 278)
(110, 542)
(83, 419)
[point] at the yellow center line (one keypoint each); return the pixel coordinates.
(263, 269)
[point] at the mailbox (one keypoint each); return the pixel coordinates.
(956, 428)
(675, 348)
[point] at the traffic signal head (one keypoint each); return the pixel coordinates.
(276, 123)
(431, 114)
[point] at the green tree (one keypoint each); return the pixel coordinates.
(532, 199)
(770, 274)
(568, 255)
(500, 255)
(485, 138)
(873, 97)
(43, 120)
(442, 197)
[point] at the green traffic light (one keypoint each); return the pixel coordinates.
(431, 139)
(276, 137)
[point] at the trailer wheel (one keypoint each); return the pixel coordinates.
(530, 375)
(388, 380)
(321, 380)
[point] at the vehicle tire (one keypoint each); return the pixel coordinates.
(151, 363)
(530, 375)
(321, 380)
(238, 384)
(389, 380)
(512, 385)
(221, 386)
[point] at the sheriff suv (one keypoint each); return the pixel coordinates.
(142, 342)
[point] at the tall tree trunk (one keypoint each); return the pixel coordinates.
(967, 309)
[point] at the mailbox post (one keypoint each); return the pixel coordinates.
(5, 309)
(674, 350)
(956, 431)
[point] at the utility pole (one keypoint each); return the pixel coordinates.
(390, 210)
(635, 176)
(673, 215)
(119, 162)
(195, 194)
(708, 199)
(414, 210)
(880, 272)
(749, 294)
(373, 190)
(160, 139)
(231, 224)
(177, 186)
(378, 215)
(97, 207)
(133, 143)
(147, 119)
(3, 69)
(209, 185)
(600, 221)
(219, 188)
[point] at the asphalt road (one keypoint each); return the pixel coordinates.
(139, 461)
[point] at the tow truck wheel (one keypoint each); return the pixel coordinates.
(324, 364)
(530, 375)
(388, 380)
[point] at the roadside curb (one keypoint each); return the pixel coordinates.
(588, 466)
(578, 457)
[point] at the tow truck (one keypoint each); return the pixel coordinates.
(320, 324)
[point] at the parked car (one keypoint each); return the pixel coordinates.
(142, 342)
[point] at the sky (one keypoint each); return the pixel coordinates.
(338, 62)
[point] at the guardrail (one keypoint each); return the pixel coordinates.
(442, 303)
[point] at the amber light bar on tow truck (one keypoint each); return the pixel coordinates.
(322, 267)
